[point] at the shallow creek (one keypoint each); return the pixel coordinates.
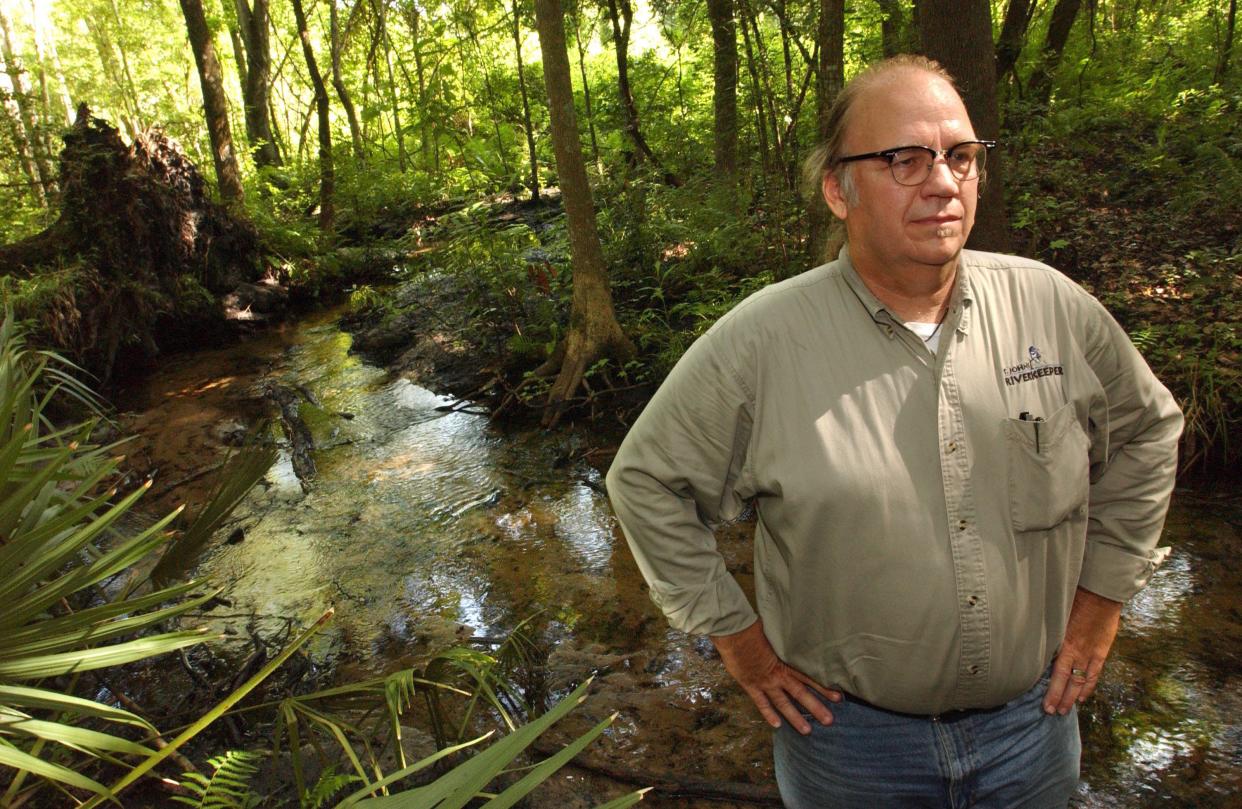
(425, 527)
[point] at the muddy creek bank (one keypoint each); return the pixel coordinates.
(426, 526)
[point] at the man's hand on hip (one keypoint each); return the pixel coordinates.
(773, 685)
(1089, 635)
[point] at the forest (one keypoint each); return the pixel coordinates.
(531, 208)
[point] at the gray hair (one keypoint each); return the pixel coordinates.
(822, 160)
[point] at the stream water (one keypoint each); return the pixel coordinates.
(424, 527)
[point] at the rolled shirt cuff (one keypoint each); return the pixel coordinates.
(1117, 573)
(718, 608)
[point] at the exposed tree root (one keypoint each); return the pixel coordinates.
(138, 250)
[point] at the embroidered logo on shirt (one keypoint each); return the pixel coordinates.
(1035, 367)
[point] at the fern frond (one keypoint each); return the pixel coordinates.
(228, 787)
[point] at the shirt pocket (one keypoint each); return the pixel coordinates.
(1048, 467)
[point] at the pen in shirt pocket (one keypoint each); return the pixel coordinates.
(1025, 415)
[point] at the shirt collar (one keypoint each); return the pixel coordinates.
(959, 303)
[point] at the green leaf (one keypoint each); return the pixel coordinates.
(28, 763)
(79, 738)
(64, 703)
(43, 666)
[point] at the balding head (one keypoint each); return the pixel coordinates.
(823, 159)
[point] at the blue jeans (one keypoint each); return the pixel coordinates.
(1014, 757)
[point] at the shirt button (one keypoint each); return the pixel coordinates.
(961, 525)
(973, 669)
(952, 447)
(973, 600)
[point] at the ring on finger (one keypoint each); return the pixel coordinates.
(1079, 675)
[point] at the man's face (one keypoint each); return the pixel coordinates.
(896, 226)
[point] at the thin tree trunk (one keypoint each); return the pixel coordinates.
(892, 34)
(239, 55)
(1013, 32)
(258, 81)
(129, 76)
(958, 34)
(25, 157)
(46, 42)
(724, 77)
(338, 84)
(33, 137)
(621, 23)
(766, 96)
(831, 36)
(1222, 64)
(382, 41)
(493, 108)
(45, 90)
(765, 154)
(215, 107)
(1063, 15)
(425, 132)
(112, 69)
(327, 175)
(586, 88)
(526, 120)
(593, 328)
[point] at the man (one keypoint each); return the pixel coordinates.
(960, 467)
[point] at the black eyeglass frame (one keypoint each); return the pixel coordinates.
(889, 154)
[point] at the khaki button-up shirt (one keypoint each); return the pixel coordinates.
(923, 519)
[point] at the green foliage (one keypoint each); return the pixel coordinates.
(228, 786)
(62, 546)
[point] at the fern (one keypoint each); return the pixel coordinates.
(329, 784)
(229, 784)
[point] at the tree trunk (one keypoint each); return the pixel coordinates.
(958, 34)
(1063, 16)
(892, 33)
(107, 59)
(381, 37)
(831, 36)
(129, 76)
(427, 136)
(327, 175)
(756, 93)
(33, 137)
(1222, 64)
(13, 122)
(1013, 32)
(526, 122)
(258, 81)
(586, 90)
(593, 328)
(215, 107)
(621, 23)
(47, 43)
(767, 99)
(724, 96)
(338, 84)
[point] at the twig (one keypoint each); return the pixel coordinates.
(184, 763)
(187, 479)
(668, 785)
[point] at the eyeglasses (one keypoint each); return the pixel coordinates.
(912, 165)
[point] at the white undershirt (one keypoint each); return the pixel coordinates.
(928, 332)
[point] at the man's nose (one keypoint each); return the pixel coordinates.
(942, 181)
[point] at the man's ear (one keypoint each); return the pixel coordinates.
(834, 196)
